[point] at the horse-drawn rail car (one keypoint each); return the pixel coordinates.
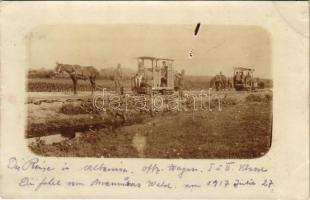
(154, 75)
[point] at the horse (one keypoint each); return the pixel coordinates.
(77, 72)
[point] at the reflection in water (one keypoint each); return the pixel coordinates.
(138, 142)
(50, 139)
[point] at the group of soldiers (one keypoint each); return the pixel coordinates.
(220, 82)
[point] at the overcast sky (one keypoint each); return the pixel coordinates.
(215, 48)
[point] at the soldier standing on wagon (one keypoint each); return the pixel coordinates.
(164, 71)
(118, 79)
(238, 77)
(248, 79)
(242, 77)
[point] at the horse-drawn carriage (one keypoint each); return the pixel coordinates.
(243, 79)
(154, 75)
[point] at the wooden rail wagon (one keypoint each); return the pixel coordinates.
(154, 74)
(243, 79)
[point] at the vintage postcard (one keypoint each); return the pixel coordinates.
(155, 100)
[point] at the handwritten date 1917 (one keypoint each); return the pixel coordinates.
(239, 183)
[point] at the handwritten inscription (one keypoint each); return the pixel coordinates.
(25, 182)
(181, 170)
(238, 183)
(123, 183)
(159, 184)
(46, 181)
(232, 166)
(103, 168)
(190, 178)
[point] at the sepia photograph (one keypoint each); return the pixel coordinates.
(154, 99)
(167, 91)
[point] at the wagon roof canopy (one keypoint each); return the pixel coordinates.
(244, 69)
(154, 58)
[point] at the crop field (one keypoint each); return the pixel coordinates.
(68, 125)
(61, 85)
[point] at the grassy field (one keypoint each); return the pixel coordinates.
(241, 130)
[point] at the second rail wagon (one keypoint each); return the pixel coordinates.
(243, 79)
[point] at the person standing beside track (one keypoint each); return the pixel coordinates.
(118, 79)
(180, 82)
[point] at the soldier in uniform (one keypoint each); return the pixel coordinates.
(242, 77)
(248, 79)
(164, 72)
(118, 79)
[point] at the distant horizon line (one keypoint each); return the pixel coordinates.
(186, 74)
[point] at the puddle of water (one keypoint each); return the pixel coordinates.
(50, 139)
(139, 142)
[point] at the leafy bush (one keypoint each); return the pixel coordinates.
(229, 101)
(259, 98)
(254, 97)
(268, 97)
(70, 109)
(261, 85)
